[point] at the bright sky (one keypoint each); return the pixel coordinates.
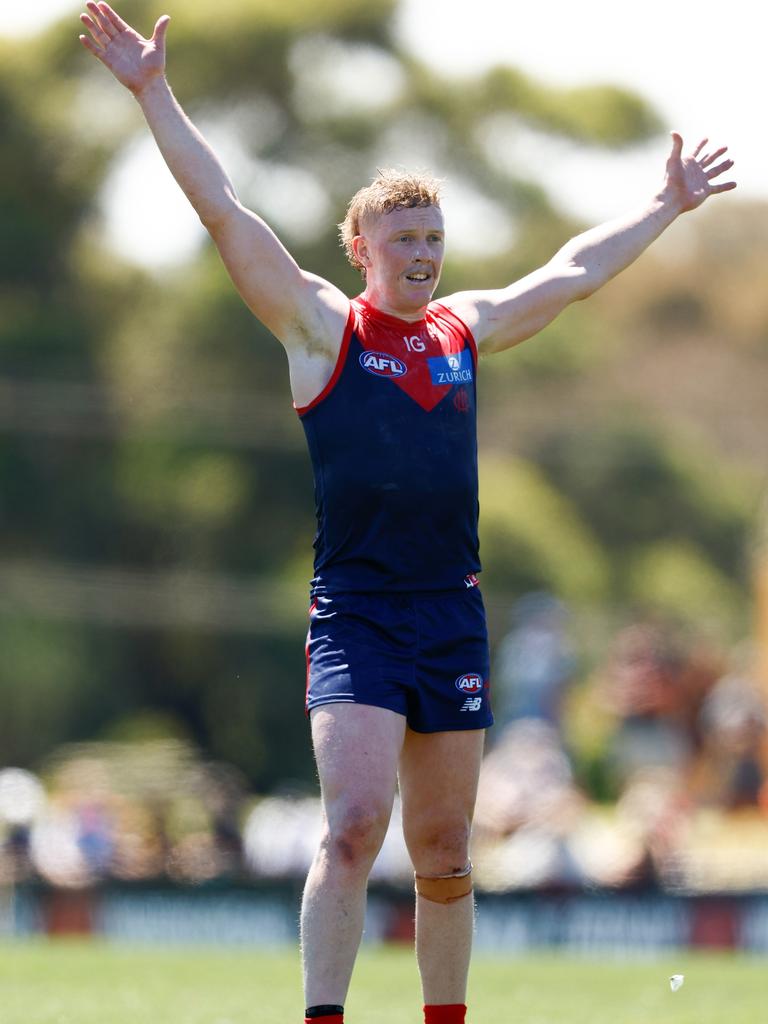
(700, 64)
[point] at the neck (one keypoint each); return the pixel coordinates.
(410, 313)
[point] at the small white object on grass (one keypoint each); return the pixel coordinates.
(676, 981)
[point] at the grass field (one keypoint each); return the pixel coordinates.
(90, 983)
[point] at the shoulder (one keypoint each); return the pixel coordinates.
(317, 320)
(457, 323)
(462, 309)
(314, 337)
(502, 317)
(454, 316)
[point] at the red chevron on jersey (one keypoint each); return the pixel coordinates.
(408, 353)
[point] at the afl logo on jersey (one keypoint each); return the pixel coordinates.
(470, 683)
(383, 365)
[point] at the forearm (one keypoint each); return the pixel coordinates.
(604, 251)
(190, 159)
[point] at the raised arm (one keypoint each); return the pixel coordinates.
(506, 316)
(294, 305)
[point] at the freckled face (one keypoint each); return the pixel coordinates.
(402, 252)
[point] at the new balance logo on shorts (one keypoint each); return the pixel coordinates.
(470, 684)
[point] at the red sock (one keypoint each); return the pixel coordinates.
(324, 1014)
(449, 1013)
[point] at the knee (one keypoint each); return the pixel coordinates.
(354, 835)
(439, 847)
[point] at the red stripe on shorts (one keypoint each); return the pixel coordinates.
(306, 658)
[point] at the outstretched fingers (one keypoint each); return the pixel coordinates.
(710, 158)
(725, 187)
(100, 38)
(113, 18)
(714, 171)
(695, 174)
(89, 44)
(101, 19)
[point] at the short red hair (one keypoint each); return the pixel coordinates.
(390, 190)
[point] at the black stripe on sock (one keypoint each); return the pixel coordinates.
(324, 1010)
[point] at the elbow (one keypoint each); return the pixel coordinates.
(580, 281)
(220, 225)
(215, 213)
(586, 290)
(213, 218)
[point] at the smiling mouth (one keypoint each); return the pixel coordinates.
(418, 276)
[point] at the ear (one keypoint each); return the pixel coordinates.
(360, 249)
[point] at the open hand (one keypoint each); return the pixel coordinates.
(689, 179)
(133, 60)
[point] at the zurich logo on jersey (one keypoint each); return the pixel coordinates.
(454, 368)
(382, 364)
(470, 683)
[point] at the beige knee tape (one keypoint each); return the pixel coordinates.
(445, 888)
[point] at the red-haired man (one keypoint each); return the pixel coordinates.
(385, 387)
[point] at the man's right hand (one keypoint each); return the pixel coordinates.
(307, 314)
(133, 60)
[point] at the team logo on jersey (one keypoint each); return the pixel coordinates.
(381, 364)
(455, 368)
(470, 683)
(461, 399)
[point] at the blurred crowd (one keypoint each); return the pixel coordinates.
(650, 770)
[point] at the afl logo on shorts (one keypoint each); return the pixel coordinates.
(383, 365)
(470, 683)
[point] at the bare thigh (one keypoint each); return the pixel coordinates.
(439, 774)
(356, 750)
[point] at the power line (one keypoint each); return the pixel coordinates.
(161, 599)
(85, 411)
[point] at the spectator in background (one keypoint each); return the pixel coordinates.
(534, 663)
(730, 771)
(22, 802)
(654, 687)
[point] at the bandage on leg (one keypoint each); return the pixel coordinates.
(445, 888)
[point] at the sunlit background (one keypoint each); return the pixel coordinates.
(702, 70)
(156, 781)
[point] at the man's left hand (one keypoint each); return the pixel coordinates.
(691, 179)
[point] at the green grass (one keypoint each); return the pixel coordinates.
(92, 983)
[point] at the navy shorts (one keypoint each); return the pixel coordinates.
(423, 656)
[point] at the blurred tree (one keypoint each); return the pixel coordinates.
(674, 578)
(635, 485)
(146, 420)
(532, 537)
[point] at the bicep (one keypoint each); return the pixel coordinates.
(265, 274)
(503, 317)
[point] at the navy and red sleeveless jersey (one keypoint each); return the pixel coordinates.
(393, 443)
